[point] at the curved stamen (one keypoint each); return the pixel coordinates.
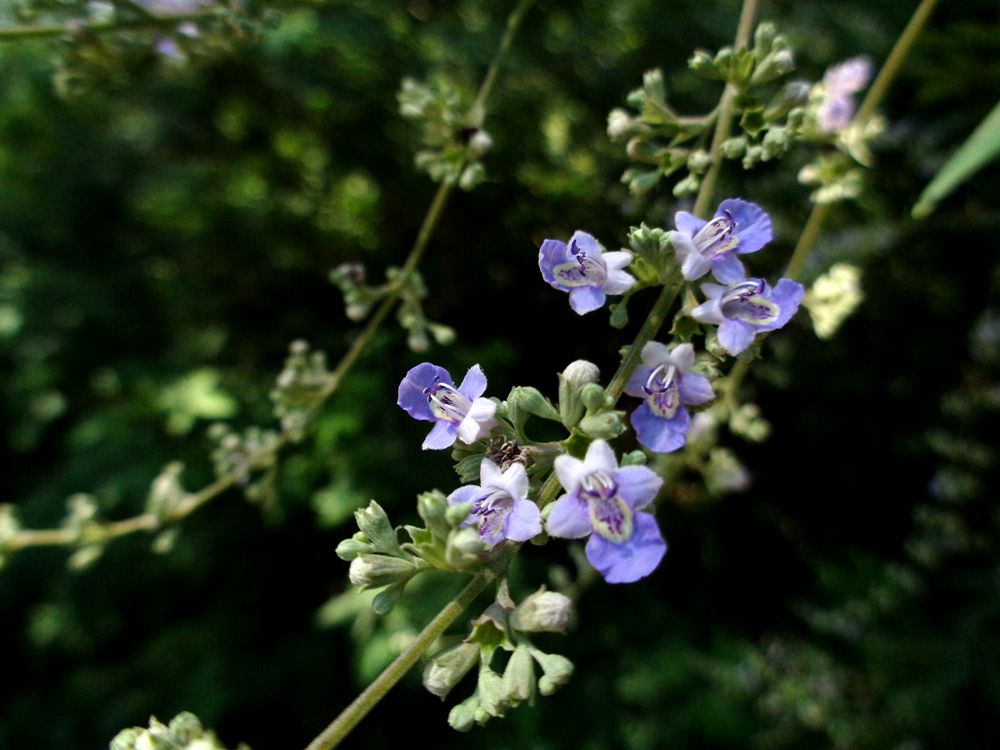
(447, 402)
(599, 484)
(743, 290)
(660, 379)
(717, 236)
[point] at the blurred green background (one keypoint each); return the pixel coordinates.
(167, 231)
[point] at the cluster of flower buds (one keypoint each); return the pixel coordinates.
(184, 732)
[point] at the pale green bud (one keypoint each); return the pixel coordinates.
(701, 62)
(465, 548)
(454, 515)
(619, 124)
(572, 380)
(373, 571)
(734, 148)
(432, 507)
(592, 396)
(607, 425)
(699, 161)
(463, 716)
(557, 670)
(543, 612)
(519, 677)
(374, 523)
(447, 669)
(491, 692)
(349, 549)
(532, 401)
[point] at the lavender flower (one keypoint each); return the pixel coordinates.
(428, 393)
(583, 269)
(840, 82)
(665, 384)
(738, 227)
(500, 505)
(746, 308)
(604, 501)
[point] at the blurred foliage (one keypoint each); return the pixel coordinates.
(167, 232)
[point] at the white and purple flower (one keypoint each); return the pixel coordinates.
(746, 308)
(666, 385)
(428, 393)
(738, 227)
(605, 502)
(583, 269)
(840, 83)
(500, 505)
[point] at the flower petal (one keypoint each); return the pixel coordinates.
(688, 223)
(633, 559)
(787, 295)
(635, 383)
(489, 473)
(728, 269)
(478, 422)
(473, 384)
(735, 336)
(695, 389)
(682, 356)
(441, 436)
(410, 396)
(659, 434)
(600, 457)
(694, 266)
(618, 282)
(570, 471)
(637, 485)
(524, 521)
(584, 299)
(515, 481)
(585, 243)
(616, 260)
(465, 494)
(751, 224)
(568, 518)
(551, 254)
(654, 353)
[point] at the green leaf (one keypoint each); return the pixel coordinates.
(982, 147)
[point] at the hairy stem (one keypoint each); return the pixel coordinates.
(367, 700)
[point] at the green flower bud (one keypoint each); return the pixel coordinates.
(465, 549)
(447, 669)
(701, 63)
(543, 612)
(572, 380)
(455, 515)
(532, 401)
(463, 716)
(479, 144)
(620, 125)
(557, 671)
(519, 677)
(593, 397)
(349, 549)
(491, 692)
(432, 507)
(373, 571)
(607, 425)
(699, 161)
(734, 148)
(374, 523)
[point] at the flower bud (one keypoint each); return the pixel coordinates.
(479, 144)
(373, 571)
(349, 549)
(448, 668)
(606, 426)
(432, 507)
(701, 62)
(374, 524)
(619, 124)
(734, 148)
(465, 548)
(556, 671)
(593, 398)
(519, 677)
(572, 380)
(543, 612)
(491, 692)
(463, 716)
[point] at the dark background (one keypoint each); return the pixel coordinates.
(166, 220)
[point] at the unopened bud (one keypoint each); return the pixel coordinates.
(479, 144)
(463, 716)
(619, 125)
(373, 571)
(519, 677)
(374, 524)
(448, 668)
(607, 425)
(557, 671)
(572, 380)
(543, 612)
(465, 548)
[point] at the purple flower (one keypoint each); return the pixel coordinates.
(738, 227)
(428, 393)
(743, 309)
(583, 269)
(605, 501)
(500, 504)
(839, 83)
(666, 385)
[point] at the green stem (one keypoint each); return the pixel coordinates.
(650, 327)
(514, 23)
(367, 700)
(814, 224)
(47, 31)
(725, 121)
